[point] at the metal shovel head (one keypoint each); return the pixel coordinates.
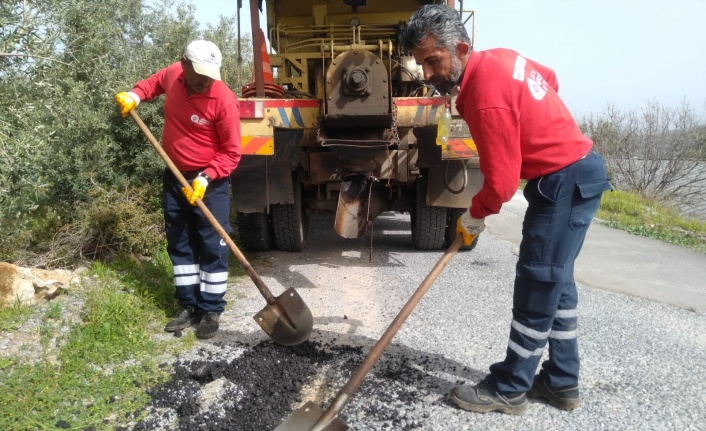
(305, 418)
(288, 321)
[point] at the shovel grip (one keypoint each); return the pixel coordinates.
(262, 287)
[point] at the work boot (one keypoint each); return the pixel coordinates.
(185, 317)
(208, 326)
(484, 397)
(565, 398)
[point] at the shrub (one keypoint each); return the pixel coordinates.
(113, 222)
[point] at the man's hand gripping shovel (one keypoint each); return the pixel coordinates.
(285, 318)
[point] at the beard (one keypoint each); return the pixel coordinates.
(444, 84)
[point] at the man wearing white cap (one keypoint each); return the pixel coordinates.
(202, 137)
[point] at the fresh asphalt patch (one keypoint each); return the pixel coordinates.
(260, 388)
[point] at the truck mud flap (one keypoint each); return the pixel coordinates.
(259, 181)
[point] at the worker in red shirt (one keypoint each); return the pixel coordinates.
(522, 130)
(202, 137)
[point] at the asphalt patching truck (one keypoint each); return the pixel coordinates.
(338, 119)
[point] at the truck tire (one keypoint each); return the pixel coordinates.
(289, 223)
(454, 214)
(428, 223)
(254, 231)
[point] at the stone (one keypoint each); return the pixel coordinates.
(31, 286)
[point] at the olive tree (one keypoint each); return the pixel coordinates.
(61, 136)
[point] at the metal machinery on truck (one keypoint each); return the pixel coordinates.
(345, 125)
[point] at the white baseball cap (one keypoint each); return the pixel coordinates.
(205, 57)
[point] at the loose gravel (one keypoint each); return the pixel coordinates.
(643, 362)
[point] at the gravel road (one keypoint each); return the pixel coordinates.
(643, 362)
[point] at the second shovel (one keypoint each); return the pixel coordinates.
(310, 417)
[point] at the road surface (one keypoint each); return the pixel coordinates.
(642, 321)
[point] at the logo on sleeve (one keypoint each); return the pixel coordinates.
(537, 85)
(202, 121)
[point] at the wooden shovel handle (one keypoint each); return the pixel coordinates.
(223, 234)
(356, 379)
(391, 330)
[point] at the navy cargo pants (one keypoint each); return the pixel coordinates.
(198, 254)
(561, 207)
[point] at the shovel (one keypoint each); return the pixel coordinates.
(311, 417)
(286, 318)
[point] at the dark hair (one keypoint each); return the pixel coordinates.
(442, 22)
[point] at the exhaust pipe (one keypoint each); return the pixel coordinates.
(352, 210)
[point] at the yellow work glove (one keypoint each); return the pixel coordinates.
(469, 227)
(127, 101)
(199, 186)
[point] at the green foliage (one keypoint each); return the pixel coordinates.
(61, 137)
(94, 400)
(21, 239)
(112, 222)
(14, 315)
(53, 312)
(108, 334)
(647, 217)
(152, 280)
(97, 371)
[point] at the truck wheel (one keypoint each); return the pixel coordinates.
(454, 214)
(428, 223)
(289, 223)
(254, 231)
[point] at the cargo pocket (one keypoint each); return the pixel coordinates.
(537, 287)
(587, 197)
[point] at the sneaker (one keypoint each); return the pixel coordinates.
(186, 316)
(565, 398)
(484, 397)
(208, 326)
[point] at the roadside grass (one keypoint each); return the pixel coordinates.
(12, 316)
(94, 374)
(640, 216)
(637, 215)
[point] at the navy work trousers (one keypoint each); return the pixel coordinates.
(561, 207)
(199, 255)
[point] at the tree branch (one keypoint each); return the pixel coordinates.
(9, 54)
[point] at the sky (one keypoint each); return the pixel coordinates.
(625, 53)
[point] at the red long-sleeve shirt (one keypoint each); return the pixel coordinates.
(520, 126)
(201, 131)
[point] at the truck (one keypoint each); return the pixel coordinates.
(338, 119)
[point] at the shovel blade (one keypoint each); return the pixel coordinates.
(288, 321)
(306, 417)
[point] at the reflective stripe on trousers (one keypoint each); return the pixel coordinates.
(560, 208)
(199, 255)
